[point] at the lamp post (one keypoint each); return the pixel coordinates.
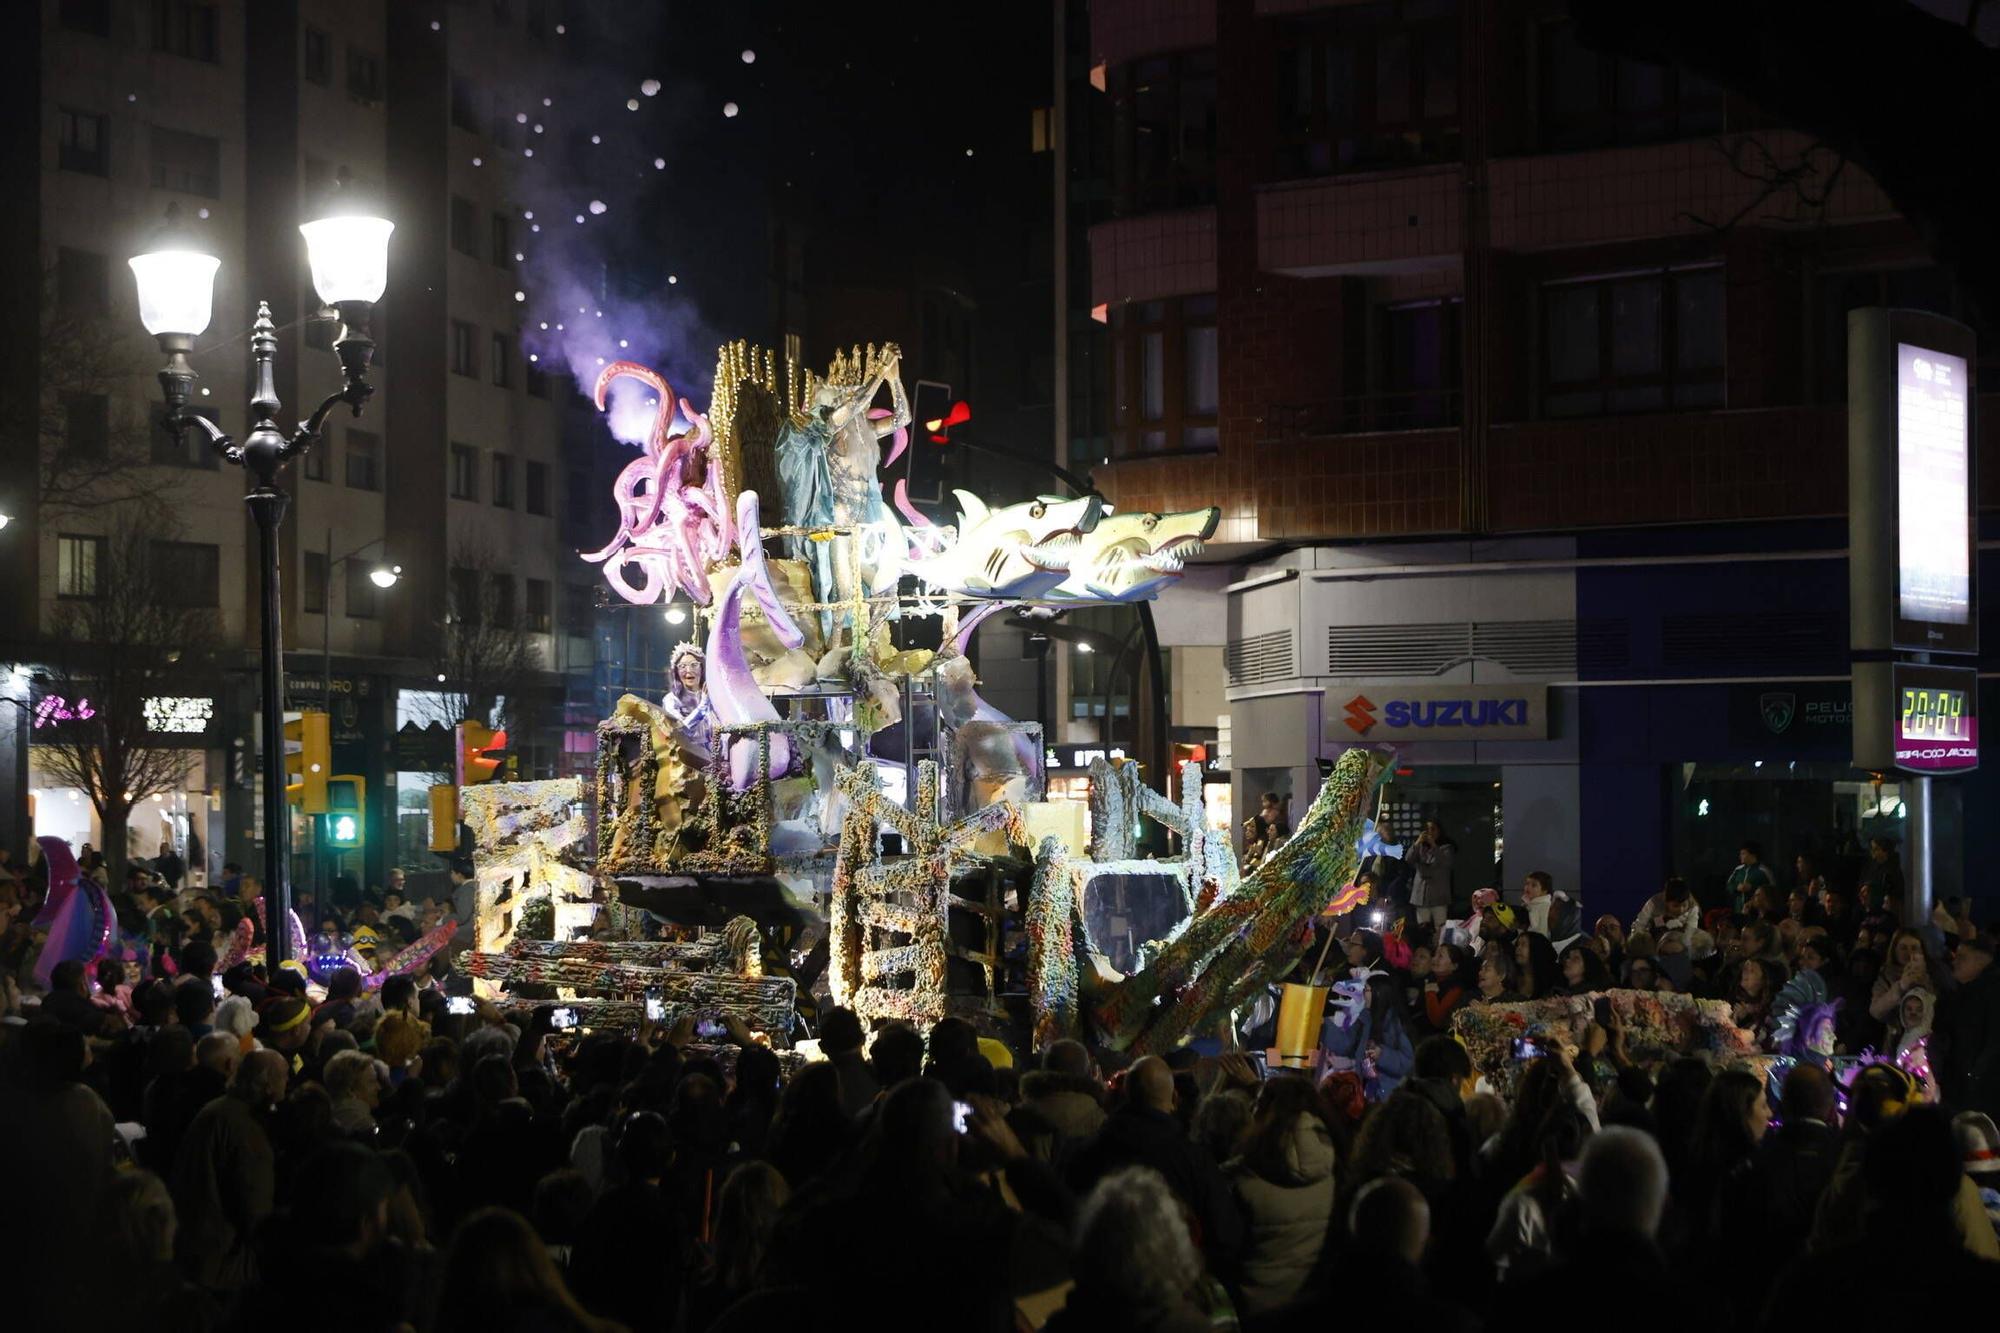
(348, 250)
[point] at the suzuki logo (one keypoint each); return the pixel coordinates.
(1361, 714)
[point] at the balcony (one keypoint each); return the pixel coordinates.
(1153, 257)
(1380, 222)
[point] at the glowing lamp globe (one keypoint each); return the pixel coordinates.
(176, 290)
(349, 256)
(385, 576)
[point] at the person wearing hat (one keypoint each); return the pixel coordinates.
(284, 1026)
(1979, 1150)
(1969, 1022)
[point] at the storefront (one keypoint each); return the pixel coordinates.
(181, 734)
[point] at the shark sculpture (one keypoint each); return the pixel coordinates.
(732, 688)
(1018, 552)
(1133, 557)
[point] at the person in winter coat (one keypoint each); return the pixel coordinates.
(1062, 1101)
(224, 1181)
(1430, 858)
(1284, 1186)
(1373, 1040)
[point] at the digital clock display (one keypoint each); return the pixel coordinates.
(1936, 718)
(1933, 714)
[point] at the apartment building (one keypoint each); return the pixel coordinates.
(1518, 370)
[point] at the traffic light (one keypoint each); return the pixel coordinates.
(347, 810)
(444, 817)
(481, 751)
(308, 760)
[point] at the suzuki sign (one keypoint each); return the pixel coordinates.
(1403, 713)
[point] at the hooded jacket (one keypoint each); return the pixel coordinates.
(1071, 1105)
(1286, 1207)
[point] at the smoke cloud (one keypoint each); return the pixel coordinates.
(591, 179)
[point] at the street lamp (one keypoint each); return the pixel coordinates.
(348, 250)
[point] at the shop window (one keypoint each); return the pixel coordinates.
(1634, 342)
(1369, 86)
(1163, 127)
(1168, 376)
(1592, 99)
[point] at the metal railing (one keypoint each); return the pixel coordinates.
(1362, 414)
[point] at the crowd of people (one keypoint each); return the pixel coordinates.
(188, 1151)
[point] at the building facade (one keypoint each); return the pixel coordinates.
(241, 114)
(1518, 370)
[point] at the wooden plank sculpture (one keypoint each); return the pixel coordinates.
(873, 972)
(1229, 950)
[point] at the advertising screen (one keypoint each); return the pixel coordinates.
(1933, 473)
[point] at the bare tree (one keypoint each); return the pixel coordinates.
(137, 639)
(487, 659)
(95, 439)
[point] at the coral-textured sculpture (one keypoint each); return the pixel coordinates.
(1227, 951)
(673, 510)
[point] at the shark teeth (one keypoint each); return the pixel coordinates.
(1172, 558)
(1052, 554)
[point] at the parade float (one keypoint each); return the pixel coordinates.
(814, 807)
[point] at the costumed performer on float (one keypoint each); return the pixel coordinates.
(687, 701)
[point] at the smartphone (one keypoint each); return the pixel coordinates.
(215, 984)
(961, 1116)
(709, 1029)
(656, 1008)
(563, 1019)
(458, 1004)
(1524, 1049)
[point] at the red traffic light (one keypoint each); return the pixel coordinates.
(938, 426)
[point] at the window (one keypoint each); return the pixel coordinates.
(364, 599)
(502, 584)
(464, 104)
(80, 135)
(86, 425)
(1368, 87)
(185, 28)
(540, 611)
(190, 163)
(83, 282)
(538, 488)
(364, 75)
(364, 460)
(77, 561)
(464, 234)
(578, 494)
(579, 608)
(1636, 342)
(464, 472)
(1041, 129)
(319, 57)
(187, 574)
(1419, 381)
(91, 16)
(1168, 382)
(503, 240)
(312, 583)
(1163, 127)
(465, 595)
(1591, 99)
(464, 352)
(535, 380)
(503, 359)
(319, 465)
(503, 481)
